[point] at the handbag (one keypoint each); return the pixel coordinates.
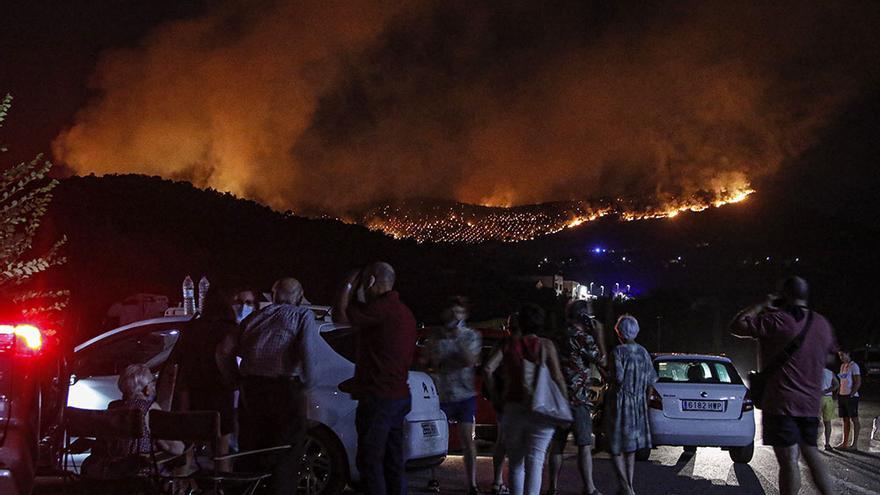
(548, 403)
(758, 379)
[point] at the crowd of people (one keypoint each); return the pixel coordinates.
(253, 365)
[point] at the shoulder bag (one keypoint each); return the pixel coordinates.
(548, 402)
(758, 379)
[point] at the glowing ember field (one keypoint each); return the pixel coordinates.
(446, 221)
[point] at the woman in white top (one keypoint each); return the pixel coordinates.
(848, 400)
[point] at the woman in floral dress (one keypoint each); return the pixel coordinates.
(632, 377)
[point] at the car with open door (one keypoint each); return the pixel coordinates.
(331, 441)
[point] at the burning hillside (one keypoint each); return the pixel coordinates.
(447, 221)
(322, 107)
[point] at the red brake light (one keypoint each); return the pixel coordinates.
(748, 405)
(655, 401)
(22, 339)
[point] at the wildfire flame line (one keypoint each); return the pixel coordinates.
(459, 223)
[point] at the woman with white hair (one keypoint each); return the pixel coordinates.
(114, 457)
(632, 377)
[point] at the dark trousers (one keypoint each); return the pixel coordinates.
(380, 460)
(273, 413)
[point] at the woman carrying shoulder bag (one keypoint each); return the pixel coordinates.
(527, 435)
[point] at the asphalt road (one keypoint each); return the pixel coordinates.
(671, 471)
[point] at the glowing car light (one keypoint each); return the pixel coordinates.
(30, 335)
(25, 339)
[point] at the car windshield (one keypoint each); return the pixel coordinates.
(696, 371)
(344, 341)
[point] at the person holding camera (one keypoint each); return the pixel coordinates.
(793, 390)
(578, 354)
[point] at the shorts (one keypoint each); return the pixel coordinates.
(828, 412)
(462, 411)
(848, 406)
(581, 427)
(785, 431)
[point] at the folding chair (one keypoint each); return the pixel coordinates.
(165, 386)
(91, 426)
(203, 427)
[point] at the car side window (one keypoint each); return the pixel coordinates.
(150, 345)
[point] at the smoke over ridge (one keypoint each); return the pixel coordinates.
(324, 107)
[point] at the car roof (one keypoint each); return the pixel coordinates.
(323, 327)
(134, 324)
(680, 356)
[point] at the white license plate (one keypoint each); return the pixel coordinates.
(429, 429)
(702, 405)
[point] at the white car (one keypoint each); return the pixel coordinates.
(701, 401)
(331, 440)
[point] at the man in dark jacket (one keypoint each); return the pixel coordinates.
(385, 353)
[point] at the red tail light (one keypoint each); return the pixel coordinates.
(655, 401)
(23, 340)
(748, 405)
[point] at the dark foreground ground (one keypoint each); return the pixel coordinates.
(670, 471)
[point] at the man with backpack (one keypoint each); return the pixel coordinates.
(794, 346)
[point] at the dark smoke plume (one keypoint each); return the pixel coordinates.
(324, 107)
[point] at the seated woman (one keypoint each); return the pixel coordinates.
(118, 458)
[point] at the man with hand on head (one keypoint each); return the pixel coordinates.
(385, 353)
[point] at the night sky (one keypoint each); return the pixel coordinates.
(323, 107)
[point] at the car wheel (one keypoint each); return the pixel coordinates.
(643, 454)
(325, 465)
(742, 455)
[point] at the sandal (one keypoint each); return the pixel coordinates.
(500, 489)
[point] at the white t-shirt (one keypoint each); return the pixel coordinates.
(827, 381)
(847, 372)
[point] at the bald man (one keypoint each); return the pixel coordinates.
(276, 369)
(793, 392)
(386, 348)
